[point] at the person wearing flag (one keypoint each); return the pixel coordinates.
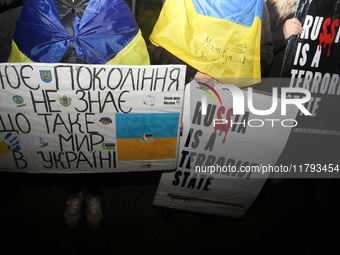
(227, 40)
(83, 32)
(78, 31)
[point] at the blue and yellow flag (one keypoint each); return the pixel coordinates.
(146, 136)
(221, 38)
(106, 34)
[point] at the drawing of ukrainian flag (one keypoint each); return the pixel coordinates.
(146, 136)
(219, 38)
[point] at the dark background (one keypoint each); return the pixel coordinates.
(294, 216)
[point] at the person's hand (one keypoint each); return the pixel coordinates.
(181, 126)
(205, 79)
(292, 27)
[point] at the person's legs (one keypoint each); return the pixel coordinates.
(94, 212)
(74, 183)
(72, 211)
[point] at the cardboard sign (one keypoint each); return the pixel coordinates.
(223, 164)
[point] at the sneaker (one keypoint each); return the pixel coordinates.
(72, 212)
(94, 212)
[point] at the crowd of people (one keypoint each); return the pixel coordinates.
(268, 24)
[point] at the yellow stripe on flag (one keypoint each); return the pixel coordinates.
(17, 56)
(135, 53)
(134, 149)
(218, 47)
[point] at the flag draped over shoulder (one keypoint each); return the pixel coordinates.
(218, 37)
(106, 34)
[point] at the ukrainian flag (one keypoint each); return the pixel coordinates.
(146, 136)
(106, 34)
(218, 37)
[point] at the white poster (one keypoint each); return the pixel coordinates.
(68, 118)
(224, 158)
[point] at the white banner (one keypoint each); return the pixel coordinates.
(68, 118)
(224, 159)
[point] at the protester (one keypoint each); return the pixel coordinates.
(83, 32)
(202, 34)
(283, 25)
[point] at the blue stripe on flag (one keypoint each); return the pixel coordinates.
(239, 12)
(159, 125)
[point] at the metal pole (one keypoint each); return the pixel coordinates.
(134, 7)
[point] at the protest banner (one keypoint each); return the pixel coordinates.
(225, 158)
(312, 62)
(69, 118)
